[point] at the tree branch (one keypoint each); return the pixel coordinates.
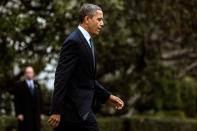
(188, 68)
(176, 54)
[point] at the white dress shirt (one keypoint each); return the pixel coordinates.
(85, 34)
(30, 83)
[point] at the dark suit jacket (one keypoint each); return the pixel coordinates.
(75, 84)
(29, 105)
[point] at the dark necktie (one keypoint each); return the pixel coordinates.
(92, 48)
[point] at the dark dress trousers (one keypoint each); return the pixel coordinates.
(28, 103)
(75, 87)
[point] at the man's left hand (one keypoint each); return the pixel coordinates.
(116, 102)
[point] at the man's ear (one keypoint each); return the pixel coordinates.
(86, 19)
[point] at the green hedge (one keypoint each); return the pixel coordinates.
(148, 123)
(162, 124)
(7, 123)
(136, 123)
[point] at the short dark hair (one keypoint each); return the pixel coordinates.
(88, 10)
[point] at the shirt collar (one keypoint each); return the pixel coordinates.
(85, 33)
(29, 81)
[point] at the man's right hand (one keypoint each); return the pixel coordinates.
(54, 120)
(20, 117)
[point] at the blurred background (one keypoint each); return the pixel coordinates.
(147, 55)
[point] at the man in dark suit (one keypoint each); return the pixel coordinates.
(28, 102)
(75, 85)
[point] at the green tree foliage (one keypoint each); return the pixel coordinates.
(145, 51)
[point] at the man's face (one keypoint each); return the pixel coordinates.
(29, 73)
(95, 23)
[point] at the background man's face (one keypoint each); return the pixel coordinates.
(29, 73)
(95, 23)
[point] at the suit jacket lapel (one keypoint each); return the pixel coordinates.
(27, 87)
(87, 47)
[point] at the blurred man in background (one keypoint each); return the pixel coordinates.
(76, 87)
(28, 102)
